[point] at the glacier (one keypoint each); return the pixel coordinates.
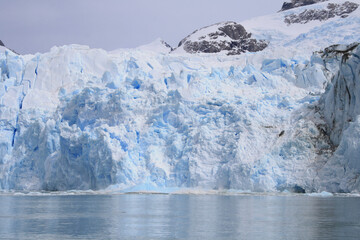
(152, 118)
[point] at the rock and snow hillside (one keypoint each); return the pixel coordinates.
(299, 3)
(281, 118)
(228, 37)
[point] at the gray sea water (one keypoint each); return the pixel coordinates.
(141, 216)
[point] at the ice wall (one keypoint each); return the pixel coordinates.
(144, 119)
(340, 106)
(80, 118)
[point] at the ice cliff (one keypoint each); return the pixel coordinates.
(341, 110)
(283, 118)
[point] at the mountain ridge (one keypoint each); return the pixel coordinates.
(298, 3)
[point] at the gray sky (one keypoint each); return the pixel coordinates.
(37, 25)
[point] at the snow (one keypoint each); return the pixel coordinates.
(303, 39)
(144, 120)
(158, 45)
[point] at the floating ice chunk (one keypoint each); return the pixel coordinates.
(321, 194)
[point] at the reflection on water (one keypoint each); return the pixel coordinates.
(178, 217)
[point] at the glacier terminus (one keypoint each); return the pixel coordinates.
(269, 104)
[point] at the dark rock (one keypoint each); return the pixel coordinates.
(281, 133)
(167, 45)
(338, 49)
(230, 37)
(2, 44)
(332, 10)
(299, 3)
(234, 31)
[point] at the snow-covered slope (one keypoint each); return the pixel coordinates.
(298, 31)
(302, 39)
(159, 46)
(299, 3)
(143, 119)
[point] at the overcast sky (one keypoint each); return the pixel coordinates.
(37, 25)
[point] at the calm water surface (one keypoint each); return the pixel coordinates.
(179, 217)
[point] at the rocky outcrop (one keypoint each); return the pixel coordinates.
(2, 44)
(228, 37)
(332, 10)
(299, 3)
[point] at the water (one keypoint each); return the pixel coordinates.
(179, 217)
